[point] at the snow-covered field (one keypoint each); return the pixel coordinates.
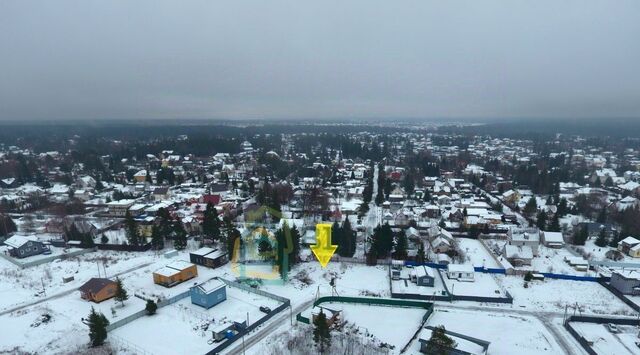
(607, 343)
(476, 254)
(554, 295)
(398, 326)
(484, 285)
(552, 260)
(508, 333)
(178, 328)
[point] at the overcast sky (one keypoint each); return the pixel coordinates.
(323, 59)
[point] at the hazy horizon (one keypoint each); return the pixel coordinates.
(315, 61)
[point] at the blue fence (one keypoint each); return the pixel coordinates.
(572, 277)
(443, 267)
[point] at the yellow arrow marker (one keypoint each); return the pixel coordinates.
(323, 250)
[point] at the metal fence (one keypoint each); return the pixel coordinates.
(586, 345)
(130, 318)
(620, 295)
(389, 302)
(48, 259)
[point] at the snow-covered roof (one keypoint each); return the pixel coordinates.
(460, 268)
(553, 237)
(518, 252)
(211, 285)
(17, 241)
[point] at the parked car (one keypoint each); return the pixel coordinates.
(264, 309)
(613, 328)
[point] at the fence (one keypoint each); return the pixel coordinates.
(619, 294)
(130, 318)
(124, 247)
(120, 343)
(572, 277)
(586, 345)
(615, 264)
(48, 259)
(390, 302)
(253, 290)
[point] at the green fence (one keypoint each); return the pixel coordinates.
(388, 302)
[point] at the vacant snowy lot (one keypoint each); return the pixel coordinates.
(476, 254)
(506, 332)
(180, 327)
(484, 285)
(607, 343)
(554, 295)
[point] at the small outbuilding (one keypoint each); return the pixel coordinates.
(461, 272)
(209, 293)
(423, 276)
(98, 289)
(553, 239)
(175, 273)
(208, 257)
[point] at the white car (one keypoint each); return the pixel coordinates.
(613, 328)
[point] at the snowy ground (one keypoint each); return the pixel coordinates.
(407, 287)
(476, 254)
(178, 328)
(43, 284)
(508, 333)
(484, 285)
(397, 329)
(351, 280)
(552, 260)
(607, 343)
(554, 295)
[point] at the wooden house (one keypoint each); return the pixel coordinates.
(98, 289)
(175, 273)
(21, 246)
(209, 293)
(208, 257)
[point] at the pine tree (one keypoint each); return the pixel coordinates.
(151, 307)
(121, 293)
(131, 229)
(554, 226)
(97, 323)
(602, 216)
(211, 223)
(601, 241)
(541, 220)
(294, 258)
(157, 239)
(440, 342)
(321, 332)
(179, 235)
(580, 236)
(531, 207)
(349, 239)
(401, 246)
(421, 256)
(6, 225)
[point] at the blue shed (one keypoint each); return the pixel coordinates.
(209, 293)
